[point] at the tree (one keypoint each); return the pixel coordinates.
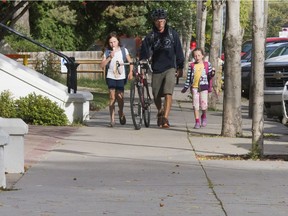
(183, 26)
(201, 23)
(53, 24)
(11, 12)
(246, 19)
(278, 16)
(232, 119)
(127, 20)
(258, 43)
(22, 23)
(188, 35)
(214, 54)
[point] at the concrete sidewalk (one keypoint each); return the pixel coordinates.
(96, 170)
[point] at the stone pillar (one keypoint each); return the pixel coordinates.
(4, 139)
(14, 152)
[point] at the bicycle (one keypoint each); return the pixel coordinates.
(140, 106)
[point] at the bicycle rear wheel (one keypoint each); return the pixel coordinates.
(147, 109)
(135, 104)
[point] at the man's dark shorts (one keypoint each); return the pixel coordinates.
(163, 83)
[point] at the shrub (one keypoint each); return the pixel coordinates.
(38, 110)
(48, 67)
(7, 105)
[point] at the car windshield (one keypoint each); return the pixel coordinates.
(246, 46)
(283, 50)
(270, 51)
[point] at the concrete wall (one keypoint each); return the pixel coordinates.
(21, 81)
(4, 139)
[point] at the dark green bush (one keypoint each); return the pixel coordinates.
(38, 110)
(7, 105)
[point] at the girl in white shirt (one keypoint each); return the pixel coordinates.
(116, 76)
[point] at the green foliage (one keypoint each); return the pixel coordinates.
(48, 67)
(7, 105)
(277, 17)
(32, 109)
(38, 110)
(53, 24)
(21, 45)
(73, 25)
(246, 19)
(127, 19)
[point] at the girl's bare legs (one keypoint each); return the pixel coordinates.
(112, 100)
(120, 101)
(196, 102)
(204, 107)
(196, 114)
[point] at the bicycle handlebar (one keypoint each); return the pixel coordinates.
(135, 63)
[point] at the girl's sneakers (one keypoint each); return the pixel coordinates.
(203, 121)
(197, 125)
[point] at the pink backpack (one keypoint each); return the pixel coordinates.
(206, 66)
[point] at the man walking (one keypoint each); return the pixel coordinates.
(164, 47)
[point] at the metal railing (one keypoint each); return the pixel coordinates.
(70, 61)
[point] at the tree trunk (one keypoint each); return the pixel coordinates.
(23, 24)
(187, 50)
(232, 119)
(259, 35)
(217, 6)
(203, 26)
(9, 18)
(198, 23)
(189, 36)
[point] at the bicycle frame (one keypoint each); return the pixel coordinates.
(140, 72)
(140, 106)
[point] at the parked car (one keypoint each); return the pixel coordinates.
(247, 45)
(272, 50)
(279, 51)
(285, 103)
(275, 76)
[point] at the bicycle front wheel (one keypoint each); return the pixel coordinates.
(135, 104)
(147, 109)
